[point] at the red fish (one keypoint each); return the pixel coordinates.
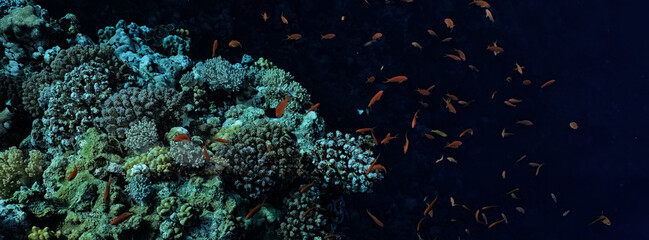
(405, 146)
(396, 79)
(294, 36)
(454, 144)
(306, 187)
(221, 140)
(255, 209)
(73, 174)
(205, 153)
(414, 119)
(377, 36)
(214, 45)
(376, 220)
(314, 107)
(279, 109)
(182, 137)
(107, 191)
(547, 83)
(121, 218)
(449, 23)
(309, 210)
(379, 167)
(362, 130)
(450, 106)
(376, 97)
(328, 36)
(234, 43)
(264, 16)
(387, 138)
(372, 165)
(284, 20)
(370, 79)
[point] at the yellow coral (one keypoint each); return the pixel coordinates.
(157, 159)
(16, 171)
(43, 234)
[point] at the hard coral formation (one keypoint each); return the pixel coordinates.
(15, 170)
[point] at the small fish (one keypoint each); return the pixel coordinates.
(107, 190)
(574, 125)
(370, 79)
(447, 39)
(525, 122)
(376, 220)
(279, 109)
(377, 36)
(362, 130)
(439, 132)
(504, 175)
(294, 36)
(538, 169)
(504, 218)
(221, 140)
(477, 216)
(449, 23)
(379, 167)
(374, 138)
(419, 223)
(473, 68)
(454, 57)
(405, 146)
(440, 159)
(480, 3)
(602, 219)
(514, 100)
(417, 45)
(460, 53)
(429, 136)
(508, 103)
(332, 236)
(73, 174)
(314, 107)
(214, 45)
(513, 191)
(396, 79)
(284, 20)
(508, 79)
(533, 164)
(450, 106)
(565, 213)
(520, 210)
(121, 218)
(309, 210)
(467, 131)
(182, 137)
(328, 36)
(205, 153)
(432, 33)
(527, 82)
(495, 223)
(306, 187)
(489, 15)
(547, 83)
(495, 48)
(255, 209)
(488, 207)
(554, 197)
(264, 16)
(455, 144)
(423, 104)
(493, 95)
(374, 99)
(234, 43)
(519, 68)
(423, 92)
(388, 137)
(372, 165)
(429, 207)
(452, 97)
(414, 119)
(451, 159)
(521, 158)
(504, 133)
(342, 18)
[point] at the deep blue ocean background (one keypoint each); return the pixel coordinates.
(596, 51)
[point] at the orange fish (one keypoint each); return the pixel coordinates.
(429, 207)
(455, 144)
(221, 140)
(454, 57)
(234, 43)
(214, 45)
(374, 138)
(429, 136)
(314, 107)
(264, 16)
(255, 209)
(328, 36)
(547, 83)
(377, 36)
(495, 223)
(468, 130)
(73, 174)
(107, 190)
(396, 79)
(388, 137)
(371, 79)
(369, 169)
(521, 158)
(602, 219)
(447, 39)
(417, 45)
(309, 210)
(419, 223)
(480, 3)
(508, 103)
(519, 68)
(121, 218)
(465, 103)
(538, 168)
(205, 153)
(450, 106)
(376, 97)
(514, 100)
(379, 167)
(432, 33)
(376, 220)
(279, 109)
(504, 134)
(495, 48)
(574, 125)
(460, 53)
(284, 20)
(451, 96)
(525, 122)
(489, 15)
(294, 36)
(493, 95)
(422, 91)
(527, 82)
(306, 187)
(405, 146)
(182, 137)
(449, 23)
(414, 119)
(332, 236)
(361, 130)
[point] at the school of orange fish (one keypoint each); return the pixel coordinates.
(482, 214)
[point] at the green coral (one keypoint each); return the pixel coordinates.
(167, 206)
(277, 84)
(157, 160)
(263, 63)
(44, 234)
(16, 171)
(98, 149)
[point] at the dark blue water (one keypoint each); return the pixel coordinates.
(596, 51)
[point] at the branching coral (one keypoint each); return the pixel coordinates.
(141, 136)
(16, 170)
